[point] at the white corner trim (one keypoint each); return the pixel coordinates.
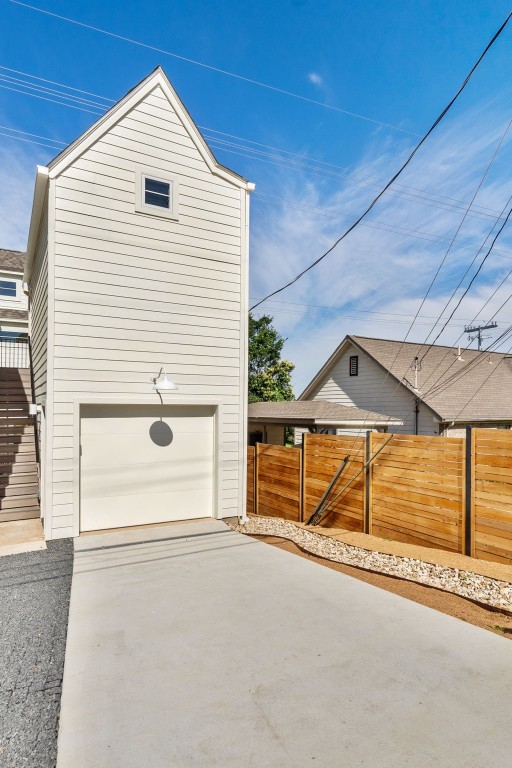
(42, 177)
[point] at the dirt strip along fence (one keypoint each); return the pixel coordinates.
(450, 493)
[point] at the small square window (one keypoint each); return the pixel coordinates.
(8, 288)
(354, 365)
(156, 195)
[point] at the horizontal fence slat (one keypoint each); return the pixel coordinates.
(417, 487)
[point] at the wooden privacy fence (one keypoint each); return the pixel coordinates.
(450, 493)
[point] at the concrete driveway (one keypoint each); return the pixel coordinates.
(192, 645)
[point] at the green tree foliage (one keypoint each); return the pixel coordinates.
(269, 376)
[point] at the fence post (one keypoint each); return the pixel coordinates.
(367, 522)
(468, 544)
(302, 477)
(256, 483)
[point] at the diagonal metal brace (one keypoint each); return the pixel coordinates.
(317, 512)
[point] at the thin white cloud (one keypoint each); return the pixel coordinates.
(316, 79)
(376, 269)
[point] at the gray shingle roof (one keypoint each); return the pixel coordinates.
(478, 386)
(12, 260)
(314, 411)
(13, 314)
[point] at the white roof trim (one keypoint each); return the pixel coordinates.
(298, 420)
(100, 127)
(42, 176)
(333, 359)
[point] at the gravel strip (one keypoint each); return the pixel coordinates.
(34, 605)
(482, 589)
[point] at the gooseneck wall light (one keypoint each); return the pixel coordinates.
(162, 383)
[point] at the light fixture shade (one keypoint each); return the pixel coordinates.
(165, 385)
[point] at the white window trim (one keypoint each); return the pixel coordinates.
(19, 293)
(154, 210)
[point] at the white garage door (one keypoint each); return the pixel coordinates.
(145, 464)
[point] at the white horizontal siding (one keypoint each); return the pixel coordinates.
(119, 254)
(135, 291)
(373, 390)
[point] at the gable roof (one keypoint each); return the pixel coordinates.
(315, 412)
(11, 260)
(157, 78)
(475, 386)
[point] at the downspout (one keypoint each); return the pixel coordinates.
(416, 414)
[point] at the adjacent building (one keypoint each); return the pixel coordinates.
(431, 390)
(13, 299)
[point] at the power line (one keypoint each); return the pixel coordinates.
(29, 141)
(412, 411)
(434, 388)
(53, 82)
(443, 260)
(211, 67)
(361, 311)
(400, 170)
(346, 171)
(18, 81)
(285, 163)
(479, 313)
(375, 224)
(402, 379)
(500, 230)
(292, 160)
(318, 211)
(45, 98)
(36, 135)
(469, 268)
(493, 371)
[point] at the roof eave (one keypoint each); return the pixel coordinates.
(335, 357)
(42, 176)
(463, 420)
(133, 97)
(311, 422)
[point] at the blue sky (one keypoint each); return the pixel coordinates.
(394, 62)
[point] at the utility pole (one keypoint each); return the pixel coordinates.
(477, 330)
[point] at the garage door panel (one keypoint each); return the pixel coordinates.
(100, 421)
(122, 511)
(130, 449)
(146, 478)
(145, 464)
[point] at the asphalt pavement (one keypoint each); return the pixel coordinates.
(34, 606)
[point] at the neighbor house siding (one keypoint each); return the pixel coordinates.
(135, 291)
(371, 389)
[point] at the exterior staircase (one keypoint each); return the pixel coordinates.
(19, 479)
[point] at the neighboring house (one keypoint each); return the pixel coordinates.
(433, 390)
(138, 258)
(19, 482)
(13, 301)
(268, 421)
